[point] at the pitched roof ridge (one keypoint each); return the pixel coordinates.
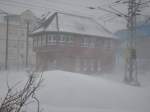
(48, 21)
(70, 14)
(97, 28)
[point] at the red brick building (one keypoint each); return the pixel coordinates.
(73, 43)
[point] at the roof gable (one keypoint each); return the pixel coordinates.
(64, 22)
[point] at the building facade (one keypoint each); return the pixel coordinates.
(73, 43)
(17, 35)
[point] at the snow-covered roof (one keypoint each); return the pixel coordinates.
(64, 22)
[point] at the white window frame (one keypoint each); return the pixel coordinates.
(51, 40)
(84, 42)
(62, 40)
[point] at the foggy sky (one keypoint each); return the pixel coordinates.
(79, 7)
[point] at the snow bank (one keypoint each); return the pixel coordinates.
(72, 92)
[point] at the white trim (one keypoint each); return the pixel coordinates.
(84, 42)
(51, 40)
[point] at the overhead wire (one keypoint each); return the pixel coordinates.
(46, 6)
(49, 7)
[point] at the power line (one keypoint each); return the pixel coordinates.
(33, 6)
(65, 3)
(133, 10)
(46, 6)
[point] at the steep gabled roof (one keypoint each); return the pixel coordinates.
(64, 22)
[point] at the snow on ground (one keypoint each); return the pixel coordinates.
(73, 92)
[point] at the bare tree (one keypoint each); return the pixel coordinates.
(14, 100)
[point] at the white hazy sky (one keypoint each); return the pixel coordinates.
(79, 7)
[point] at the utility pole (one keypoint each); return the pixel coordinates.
(131, 61)
(134, 9)
(27, 43)
(27, 19)
(7, 31)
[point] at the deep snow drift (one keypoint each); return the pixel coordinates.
(72, 92)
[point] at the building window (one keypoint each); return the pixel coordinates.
(55, 37)
(70, 39)
(84, 42)
(52, 39)
(108, 44)
(65, 39)
(38, 41)
(34, 42)
(43, 40)
(92, 42)
(100, 43)
(62, 38)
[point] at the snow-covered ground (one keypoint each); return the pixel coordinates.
(73, 92)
